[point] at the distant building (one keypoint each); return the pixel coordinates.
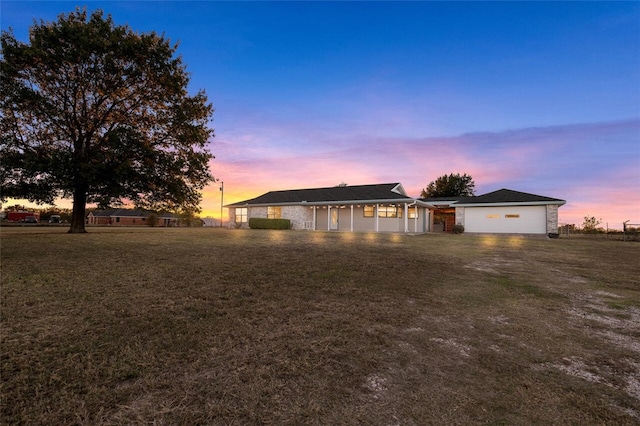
(130, 217)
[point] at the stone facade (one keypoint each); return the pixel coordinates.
(552, 218)
(259, 212)
(459, 215)
(297, 215)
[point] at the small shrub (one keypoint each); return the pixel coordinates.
(261, 223)
(457, 228)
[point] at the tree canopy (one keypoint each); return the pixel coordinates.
(96, 112)
(452, 185)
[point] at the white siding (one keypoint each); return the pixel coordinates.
(529, 220)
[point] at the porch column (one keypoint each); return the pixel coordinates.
(351, 217)
(406, 217)
(314, 217)
(328, 218)
(377, 219)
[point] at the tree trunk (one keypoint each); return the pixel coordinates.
(79, 209)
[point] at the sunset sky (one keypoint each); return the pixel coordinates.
(540, 97)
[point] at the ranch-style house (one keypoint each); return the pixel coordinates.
(388, 208)
(129, 217)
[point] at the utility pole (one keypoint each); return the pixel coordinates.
(221, 201)
(624, 230)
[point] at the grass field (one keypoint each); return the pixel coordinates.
(235, 327)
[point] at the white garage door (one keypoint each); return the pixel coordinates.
(516, 220)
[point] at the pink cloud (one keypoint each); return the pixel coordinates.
(580, 163)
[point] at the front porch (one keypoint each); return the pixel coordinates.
(380, 217)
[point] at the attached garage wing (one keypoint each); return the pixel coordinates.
(506, 220)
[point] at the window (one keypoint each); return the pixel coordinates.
(241, 214)
(274, 212)
(384, 211)
(493, 216)
(389, 211)
(512, 216)
(413, 213)
(368, 211)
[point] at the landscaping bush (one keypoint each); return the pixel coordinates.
(261, 223)
(458, 229)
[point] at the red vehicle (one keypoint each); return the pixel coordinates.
(23, 216)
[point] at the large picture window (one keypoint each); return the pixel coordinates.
(241, 214)
(389, 211)
(274, 212)
(385, 211)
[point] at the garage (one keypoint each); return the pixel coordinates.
(504, 211)
(506, 220)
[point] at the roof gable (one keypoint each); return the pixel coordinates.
(337, 194)
(509, 196)
(501, 196)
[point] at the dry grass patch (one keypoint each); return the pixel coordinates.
(210, 326)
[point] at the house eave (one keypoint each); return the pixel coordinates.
(512, 203)
(332, 203)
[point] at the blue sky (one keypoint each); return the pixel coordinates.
(540, 97)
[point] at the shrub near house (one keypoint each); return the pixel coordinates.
(261, 223)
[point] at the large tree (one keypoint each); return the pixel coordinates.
(452, 185)
(98, 113)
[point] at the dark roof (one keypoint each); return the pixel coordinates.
(390, 192)
(130, 213)
(438, 199)
(120, 213)
(508, 196)
(356, 193)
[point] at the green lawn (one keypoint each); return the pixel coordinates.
(235, 327)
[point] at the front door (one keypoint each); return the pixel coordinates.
(334, 219)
